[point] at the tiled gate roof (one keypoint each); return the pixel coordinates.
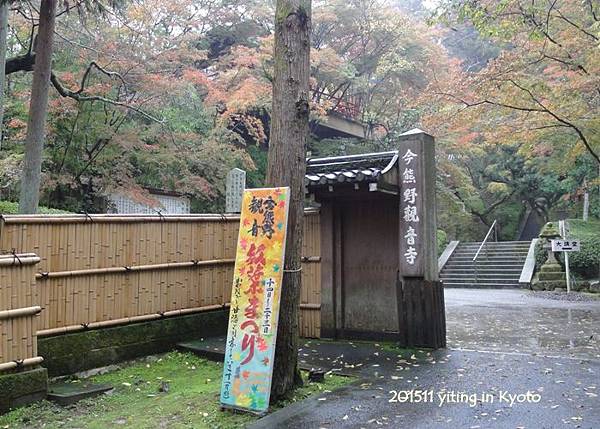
(349, 169)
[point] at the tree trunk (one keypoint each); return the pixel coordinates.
(586, 202)
(3, 32)
(287, 167)
(38, 110)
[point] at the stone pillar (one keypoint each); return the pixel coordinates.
(420, 295)
(234, 190)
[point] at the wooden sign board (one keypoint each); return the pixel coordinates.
(254, 312)
(418, 249)
(566, 245)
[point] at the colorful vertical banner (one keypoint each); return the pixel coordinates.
(255, 296)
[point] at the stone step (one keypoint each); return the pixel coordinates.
(496, 243)
(492, 280)
(482, 277)
(489, 252)
(213, 349)
(483, 264)
(481, 254)
(471, 285)
(489, 270)
(493, 246)
(208, 348)
(498, 265)
(490, 255)
(483, 258)
(460, 251)
(493, 259)
(67, 393)
(469, 270)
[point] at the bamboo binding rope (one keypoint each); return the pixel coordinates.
(19, 259)
(21, 363)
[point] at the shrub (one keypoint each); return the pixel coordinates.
(8, 207)
(442, 240)
(587, 261)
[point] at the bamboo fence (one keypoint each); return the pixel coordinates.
(103, 270)
(18, 311)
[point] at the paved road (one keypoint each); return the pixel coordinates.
(516, 321)
(501, 344)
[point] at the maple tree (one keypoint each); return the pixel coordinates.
(129, 97)
(173, 95)
(534, 104)
(546, 81)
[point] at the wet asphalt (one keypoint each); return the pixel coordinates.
(513, 361)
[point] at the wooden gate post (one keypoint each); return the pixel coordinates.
(420, 296)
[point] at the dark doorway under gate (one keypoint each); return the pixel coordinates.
(359, 244)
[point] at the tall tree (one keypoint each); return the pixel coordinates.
(546, 80)
(3, 32)
(287, 167)
(38, 110)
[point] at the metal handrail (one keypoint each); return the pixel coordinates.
(485, 240)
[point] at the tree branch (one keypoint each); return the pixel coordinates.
(587, 33)
(569, 124)
(26, 62)
(541, 109)
(77, 95)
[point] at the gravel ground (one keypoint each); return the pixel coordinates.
(563, 296)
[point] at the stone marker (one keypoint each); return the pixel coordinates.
(419, 293)
(417, 171)
(236, 183)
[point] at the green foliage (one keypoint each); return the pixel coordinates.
(586, 262)
(340, 146)
(442, 241)
(454, 220)
(256, 178)
(8, 207)
(508, 216)
(541, 255)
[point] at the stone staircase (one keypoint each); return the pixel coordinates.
(499, 265)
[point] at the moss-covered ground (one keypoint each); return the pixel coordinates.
(190, 398)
